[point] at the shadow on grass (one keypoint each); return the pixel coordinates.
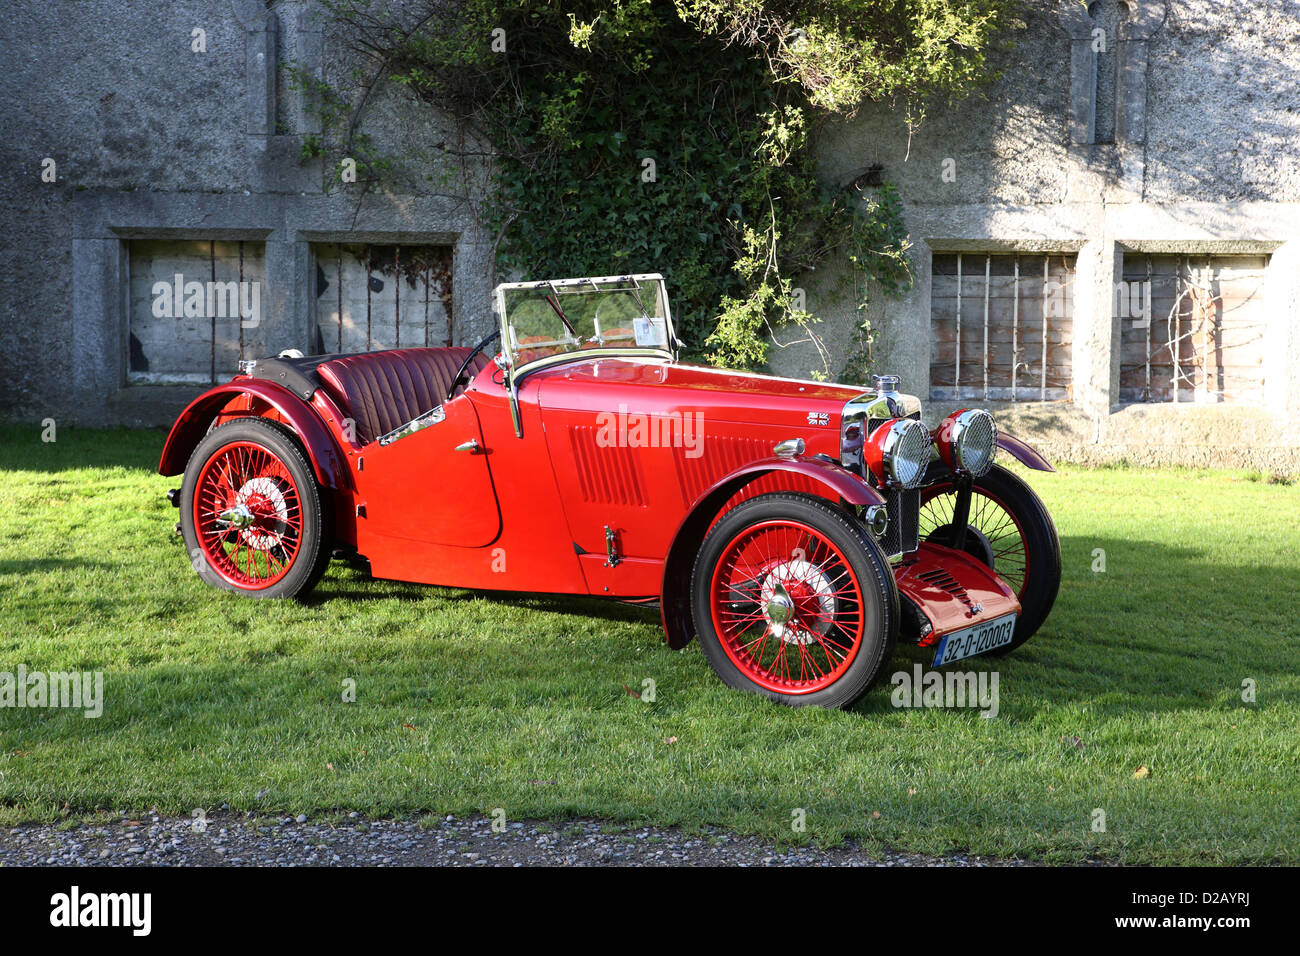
(28, 448)
(1163, 629)
(359, 586)
(31, 565)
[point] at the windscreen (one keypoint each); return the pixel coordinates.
(553, 318)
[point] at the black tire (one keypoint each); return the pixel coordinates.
(862, 557)
(1040, 580)
(315, 543)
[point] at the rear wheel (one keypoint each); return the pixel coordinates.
(794, 600)
(1010, 530)
(253, 517)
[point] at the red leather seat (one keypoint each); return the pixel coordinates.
(382, 391)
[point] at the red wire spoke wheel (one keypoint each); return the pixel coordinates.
(794, 600)
(1010, 530)
(253, 517)
(248, 515)
(999, 540)
(786, 607)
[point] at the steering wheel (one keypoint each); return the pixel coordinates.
(460, 372)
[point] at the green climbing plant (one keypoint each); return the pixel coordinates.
(680, 137)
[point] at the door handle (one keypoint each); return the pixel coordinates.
(470, 446)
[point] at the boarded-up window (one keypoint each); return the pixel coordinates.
(1192, 328)
(371, 297)
(191, 306)
(1002, 327)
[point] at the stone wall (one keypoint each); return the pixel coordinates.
(1204, 163)
(1195, 154)
(154, 140)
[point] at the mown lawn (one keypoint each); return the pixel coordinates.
(467, 702)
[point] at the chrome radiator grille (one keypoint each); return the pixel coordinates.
(903, 531)
(904, 509)
(874, 423)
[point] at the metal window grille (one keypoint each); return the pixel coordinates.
(167, 341)
(371, 297)
(1191, 328)
(1002, 327)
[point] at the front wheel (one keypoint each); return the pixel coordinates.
(253, 517)
(794, 600)
(1008, 529)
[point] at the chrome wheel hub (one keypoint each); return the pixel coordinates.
(238, 517)
(271, 508)
(778, 608)
(812, 591)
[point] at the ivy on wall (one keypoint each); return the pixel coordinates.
(679, 137)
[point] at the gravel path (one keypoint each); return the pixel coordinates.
(351, 840)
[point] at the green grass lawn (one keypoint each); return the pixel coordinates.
(467, 702)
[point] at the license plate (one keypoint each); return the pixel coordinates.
(976, 639)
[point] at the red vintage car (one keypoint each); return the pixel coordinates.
(797, 528)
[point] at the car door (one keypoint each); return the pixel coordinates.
(433, 485)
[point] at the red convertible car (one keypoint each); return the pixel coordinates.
(799, 529)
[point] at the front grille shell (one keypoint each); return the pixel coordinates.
(902, 533)
(903, 507)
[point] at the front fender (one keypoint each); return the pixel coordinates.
(192, 425)
(1023, 452)
(675, 591)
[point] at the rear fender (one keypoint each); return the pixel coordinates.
(1022, 452)
(326, 458)
(675, 594)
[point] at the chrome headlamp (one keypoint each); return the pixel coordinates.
(968, 441)
(898, 452)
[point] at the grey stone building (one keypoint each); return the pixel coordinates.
(171, 224)
(1105, 246)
